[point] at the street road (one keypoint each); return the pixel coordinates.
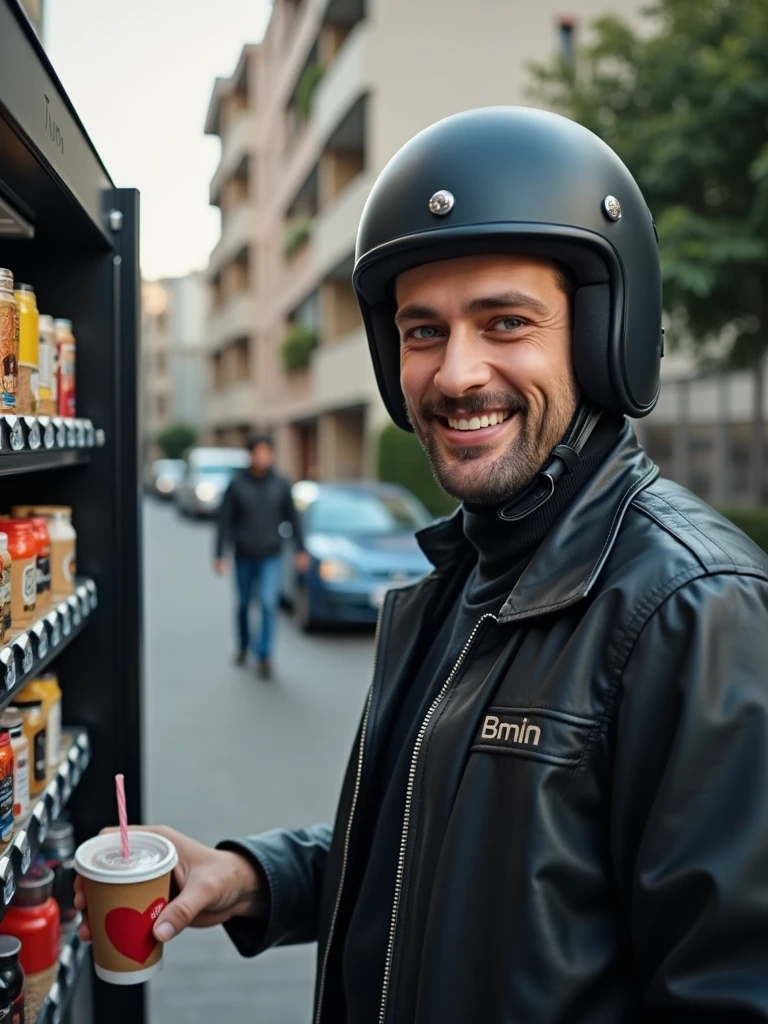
(227, 754)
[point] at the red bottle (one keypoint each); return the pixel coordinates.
(33, 918)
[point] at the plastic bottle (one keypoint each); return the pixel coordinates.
(58, 850)
(49, 401)
(29, 351)
(5, 590)
(42, 538)
(46, 689)
(63, 539)
(9, 344)
(33, 919)
(13, 722)
(23, 550)
(6, 787)
(65, 346)
(31, 712)
(11, 980)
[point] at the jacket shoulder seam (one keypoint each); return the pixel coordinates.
(642, 503)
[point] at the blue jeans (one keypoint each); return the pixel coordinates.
(262, 576)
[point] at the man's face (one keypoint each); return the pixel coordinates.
(486, 369)
(261, 457)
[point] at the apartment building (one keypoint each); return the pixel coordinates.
(174, 316)
(702, 434)
(307, 120)
(155, 394)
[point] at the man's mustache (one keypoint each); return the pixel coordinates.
(473, 405)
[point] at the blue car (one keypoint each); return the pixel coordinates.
(361, 539)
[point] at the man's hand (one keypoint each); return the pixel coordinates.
(303, 561)
(214, 886)
(220, 565)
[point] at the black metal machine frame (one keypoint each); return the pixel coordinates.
(67, 229)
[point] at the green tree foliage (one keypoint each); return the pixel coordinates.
(297, 347)
(684, 101)
(401, 460)
(308, 82)
(175, 439)
(297, 232)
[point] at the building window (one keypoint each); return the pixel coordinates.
(162, 362)
(162, 406)
(566, 27)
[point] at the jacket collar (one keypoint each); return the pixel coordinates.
(565, 566)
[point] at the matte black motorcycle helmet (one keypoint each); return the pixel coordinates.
(521, 180)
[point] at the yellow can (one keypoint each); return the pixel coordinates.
(29, 352)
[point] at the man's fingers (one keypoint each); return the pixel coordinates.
(180, 913)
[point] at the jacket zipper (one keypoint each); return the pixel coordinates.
(407, 815)
(348, 833)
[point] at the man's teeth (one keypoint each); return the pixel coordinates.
(478, 422)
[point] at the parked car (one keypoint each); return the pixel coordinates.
(361, 539)
(164, 477)
(207, 474)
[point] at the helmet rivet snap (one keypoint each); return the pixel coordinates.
(612, 208)
(441, 203)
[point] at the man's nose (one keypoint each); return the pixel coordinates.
(463, 367)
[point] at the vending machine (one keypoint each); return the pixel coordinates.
(70, 547)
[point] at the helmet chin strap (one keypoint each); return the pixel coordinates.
(562, 459)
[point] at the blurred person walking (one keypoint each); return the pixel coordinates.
(255, 506)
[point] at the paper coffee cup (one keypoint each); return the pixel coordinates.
(124, 900)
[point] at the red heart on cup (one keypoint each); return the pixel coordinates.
(130, 931)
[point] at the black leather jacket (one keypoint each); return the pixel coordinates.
(586, 830)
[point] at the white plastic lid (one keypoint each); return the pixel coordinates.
(100, 859)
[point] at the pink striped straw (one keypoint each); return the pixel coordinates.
(122, 811)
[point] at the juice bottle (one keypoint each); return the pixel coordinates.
(65, 346)
(29, 352)
(46, 689)
(6, 787)
(63, 543)
(42, 559)
(31, 712)
(9, 343)
(12, 721)
(49, 402)
(5, 590)
(23, 550)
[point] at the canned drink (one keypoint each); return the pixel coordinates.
(65, 344)
(9, 343)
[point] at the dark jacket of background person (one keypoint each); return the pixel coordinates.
(251, 514)
(586, 836)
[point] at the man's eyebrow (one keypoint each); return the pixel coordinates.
(415, 312)
(502, 300)
(505, 299)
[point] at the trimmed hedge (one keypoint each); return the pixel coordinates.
(401, 460)
(297, 347)
(753, 521)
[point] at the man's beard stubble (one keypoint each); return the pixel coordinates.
(514, 469)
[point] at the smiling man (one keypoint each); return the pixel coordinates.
(556, 807)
